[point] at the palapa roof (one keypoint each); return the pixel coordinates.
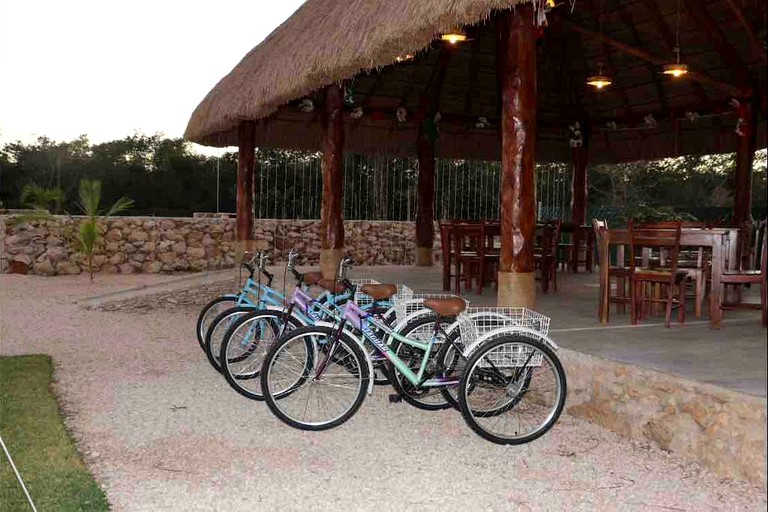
(357, 42)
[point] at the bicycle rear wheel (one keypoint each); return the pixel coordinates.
(245, 345)
(297, 395)
(218, 328)
(513, 390)
(211, 311)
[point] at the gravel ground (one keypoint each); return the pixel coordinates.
(162, 431)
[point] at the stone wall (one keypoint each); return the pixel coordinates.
(148, 244)
(721, 429)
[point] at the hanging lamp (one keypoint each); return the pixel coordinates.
(600, 81)
(454, 36)
(677, 68)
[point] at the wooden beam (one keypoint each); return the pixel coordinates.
(717, 38)
(517, 55)
(757, 47)
(732, 90)
(246, 144)
(653, 71)
(331, 221)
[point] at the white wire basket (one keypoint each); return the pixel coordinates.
(491, 323)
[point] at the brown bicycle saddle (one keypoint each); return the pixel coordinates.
(446, 307)
(331, 285)
(379, 291)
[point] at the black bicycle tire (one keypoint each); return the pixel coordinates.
(477, 354)
(270, 399)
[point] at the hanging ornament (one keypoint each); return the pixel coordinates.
(349, 93)
(743, 129)
(401, 114)
(650, 121)
(356, 113)
(306, 105)
(692, 116)
(611, 125)
(540, 10)
(482, 123)
(576, 139)
(438, 117)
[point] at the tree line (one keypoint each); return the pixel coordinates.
(166, 177)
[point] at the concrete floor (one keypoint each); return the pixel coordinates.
(733, 357)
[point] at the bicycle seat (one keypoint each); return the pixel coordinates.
(446, 307)
(331, 285)
(311, 278)
(379, 291)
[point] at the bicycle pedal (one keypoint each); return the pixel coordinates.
(394, 398)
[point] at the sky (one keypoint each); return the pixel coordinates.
(109, 68)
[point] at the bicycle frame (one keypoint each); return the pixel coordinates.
(362, 321)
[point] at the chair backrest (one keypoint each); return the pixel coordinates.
(664, 236)
(468, 238)
(763, 249)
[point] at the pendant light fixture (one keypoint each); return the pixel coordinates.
(677, 68)
(454, 36)
(600, 81)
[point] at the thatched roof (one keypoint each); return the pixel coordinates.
(327, 41)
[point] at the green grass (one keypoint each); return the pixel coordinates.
(43, 451)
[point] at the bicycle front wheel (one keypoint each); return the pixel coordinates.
(211, 311)
(513, 390)
(312, 380)
(245, 345)
(218, 329)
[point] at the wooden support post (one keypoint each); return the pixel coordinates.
(331, 221)
(246, 140)
(517, 54)
(579, 189)
(742, 178)
(425, 148)
(425, 214)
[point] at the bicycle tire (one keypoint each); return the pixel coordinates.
(523, 390)
(304, 336)
(217, 330)
(202, 326)
(237, 379)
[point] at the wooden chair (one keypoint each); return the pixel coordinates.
(661, 276)
(608, 271)
(467, 254)
(545, 254)
(489, 264)
(446, 244)
(750, 276)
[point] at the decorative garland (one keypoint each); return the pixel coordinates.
(743, 128)
(576, 139)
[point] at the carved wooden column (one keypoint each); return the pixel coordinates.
(742, 177)
(578, 199)
(331, 221)
(425, 214)
(517, 66)
(246, 140)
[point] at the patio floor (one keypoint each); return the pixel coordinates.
(733, 357)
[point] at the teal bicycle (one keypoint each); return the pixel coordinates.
(510, 385)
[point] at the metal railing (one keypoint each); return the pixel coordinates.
(289, 186)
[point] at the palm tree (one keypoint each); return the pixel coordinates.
(90, 231)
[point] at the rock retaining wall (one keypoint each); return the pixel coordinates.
(721, 429)
(148, 244)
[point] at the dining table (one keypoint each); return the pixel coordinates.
(721, 241)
